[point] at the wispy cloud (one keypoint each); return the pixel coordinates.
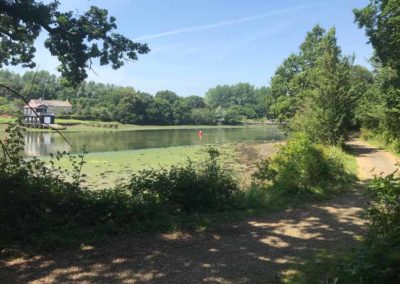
(226, 23)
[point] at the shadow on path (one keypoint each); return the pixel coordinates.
(254, 250)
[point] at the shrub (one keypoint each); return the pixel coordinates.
(378, 260)
(185, 189)
(302, 166)
(40, 209)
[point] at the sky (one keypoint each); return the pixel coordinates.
(198, 44)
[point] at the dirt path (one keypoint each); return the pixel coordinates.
(256, 250)
(372, 161)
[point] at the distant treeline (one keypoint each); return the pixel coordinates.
(96, 101)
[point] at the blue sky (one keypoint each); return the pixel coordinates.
(197, 44)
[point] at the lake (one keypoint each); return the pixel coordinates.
(42, 143)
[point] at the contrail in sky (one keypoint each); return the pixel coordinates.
(224, 23)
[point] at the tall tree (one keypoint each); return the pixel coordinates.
(381, 20)
(327, 109)
(291, 78)
(74, 39)
(317, 90)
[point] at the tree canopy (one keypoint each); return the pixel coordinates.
(241, 99)
(379, 112)
(381, 20)
(75, 39)
(105, 102)
(316, 91)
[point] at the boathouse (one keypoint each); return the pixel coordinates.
(44, 111)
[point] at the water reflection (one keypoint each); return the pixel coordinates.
(42, 144)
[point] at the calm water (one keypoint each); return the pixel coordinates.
(42, 144)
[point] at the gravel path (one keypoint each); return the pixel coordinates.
(256, 250)
(372, 161)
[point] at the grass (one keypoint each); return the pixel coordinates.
(379, 142)
(349, 161)
(6, 119)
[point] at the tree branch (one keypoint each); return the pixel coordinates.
(20, 96)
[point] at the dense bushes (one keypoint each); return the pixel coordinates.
(378, 260)
(302, 166)
(185, 189)
(38, 207)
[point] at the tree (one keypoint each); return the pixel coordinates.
(165, 104)
(242, 100)
(40, 85)
(381, 115)
(195, 102)
(381, 20)
(220, 96)
(317, 90)
(74, 39)
(291, 78)
(328, 107)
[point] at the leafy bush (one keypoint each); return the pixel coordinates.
(302, 166)
(378, 260)
(39, 208)
(185, 189)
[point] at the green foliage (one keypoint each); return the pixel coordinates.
(291, 78)
(300, 166)
(316, 91)
(383, 139)
(378, 260)
(184, 189)
(381, 20)
(379, 113)
(97, 101)
(203, 116)
(40, 208)
(236, 101)
(74, 39)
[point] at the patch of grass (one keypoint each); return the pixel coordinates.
(7, 119)
(322, 267)
(380, 141)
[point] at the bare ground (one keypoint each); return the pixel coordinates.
(256, 250)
